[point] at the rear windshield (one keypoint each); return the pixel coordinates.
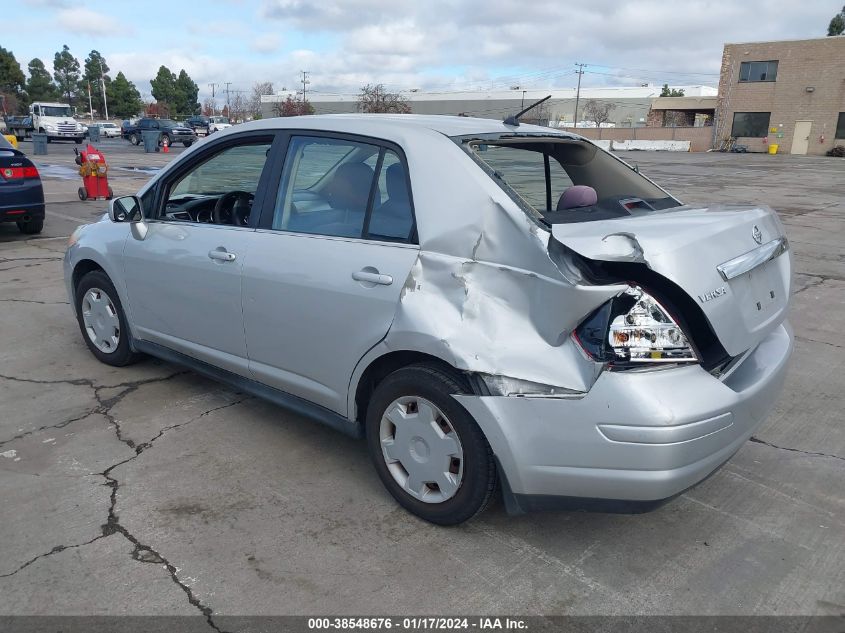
(559, 180)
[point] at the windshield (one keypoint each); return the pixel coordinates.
(56, 111)
(560, 180)
(219, 119)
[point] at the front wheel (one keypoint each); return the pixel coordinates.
(133, 138)
(102, 320)
(426, 448)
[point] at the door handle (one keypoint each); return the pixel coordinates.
(372, 276)
(222, 255)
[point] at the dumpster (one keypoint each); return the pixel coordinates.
(94, 134)
(39, 143)
(150, 140)
(773, 148)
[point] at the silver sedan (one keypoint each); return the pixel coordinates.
(493, 306)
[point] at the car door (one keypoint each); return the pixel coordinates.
(320, 287)
(183, 278)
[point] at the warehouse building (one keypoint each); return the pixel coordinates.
(629, 104)
(789, 93)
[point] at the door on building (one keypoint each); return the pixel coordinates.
(801, 138)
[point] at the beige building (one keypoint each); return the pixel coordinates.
(791, 93)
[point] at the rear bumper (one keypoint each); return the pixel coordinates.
(21, 213)
(637, 438)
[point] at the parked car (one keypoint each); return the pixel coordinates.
(217, 123)
(21, 193)
(170, 131)
(108, 130)
(486, 303)
(198, 123)
(126, 126)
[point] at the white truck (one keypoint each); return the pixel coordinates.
(53, 119)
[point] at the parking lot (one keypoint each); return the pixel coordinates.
(150, 489)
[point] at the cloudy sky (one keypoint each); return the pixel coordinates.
(435, 45)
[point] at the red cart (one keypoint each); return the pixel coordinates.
(94, 172)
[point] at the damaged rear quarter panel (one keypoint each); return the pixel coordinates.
(484, 294)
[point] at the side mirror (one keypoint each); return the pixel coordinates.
(128, 209)
(125, 209)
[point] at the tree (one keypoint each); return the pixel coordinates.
(598, 112)
(66, 74)
(374, 98)
(258, 90)
(837, 24)
(666, 92)
(292, 107)
(40, 86)
(12, 82)
(164, 88)
(95, 69)
(186, 94)
(124, 98)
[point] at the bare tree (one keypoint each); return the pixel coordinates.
(374, 98)
(258, 90)
(598, 112)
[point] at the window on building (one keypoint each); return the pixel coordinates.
(750, 124)
(758, 71)
(840, 126)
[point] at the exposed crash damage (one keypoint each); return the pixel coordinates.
(482, 301)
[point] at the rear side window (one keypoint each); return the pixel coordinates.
(525, 172)
(343, 188)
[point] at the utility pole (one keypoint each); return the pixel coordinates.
(213, 105)
(228, 107)
(90, 105)
(579, 72)
(305, 82)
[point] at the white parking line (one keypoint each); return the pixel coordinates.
(71, 218)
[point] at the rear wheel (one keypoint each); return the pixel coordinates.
(165, 140)
(426, 448)
(31, 227)
(187, 143)
(102, 320)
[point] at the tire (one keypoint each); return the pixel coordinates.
(31, 227)
(133, 138)
(78, 141)
(82, 192)
(187, 143)
(111, 194)
(471, 476)
(120, 354)
(165, 137)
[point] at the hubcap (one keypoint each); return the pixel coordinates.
(421, 449)
(100, 319)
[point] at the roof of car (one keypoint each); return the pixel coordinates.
(372, 123)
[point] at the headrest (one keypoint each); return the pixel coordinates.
(397, 185)
(350, 187)
(577, 196)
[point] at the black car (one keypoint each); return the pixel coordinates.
(198, 122)
(168, 129)
(21, 193)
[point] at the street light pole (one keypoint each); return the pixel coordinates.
(522, 105)
(103, 82)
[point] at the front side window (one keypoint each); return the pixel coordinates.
(343, 188)
(750, 124)
(221, 189)
(561, 180)
(758, 71)
(840, 126)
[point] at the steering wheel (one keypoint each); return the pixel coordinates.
(232, 208)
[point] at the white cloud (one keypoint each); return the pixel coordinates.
(87, 22)
(267, 43)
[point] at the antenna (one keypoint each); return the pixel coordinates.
(514, 119)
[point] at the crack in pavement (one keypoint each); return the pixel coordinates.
(757, 440)
(142, 552)
(55, 550)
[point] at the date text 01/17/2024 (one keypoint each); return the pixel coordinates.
(417, 623)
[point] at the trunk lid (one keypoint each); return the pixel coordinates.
(733, 261)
